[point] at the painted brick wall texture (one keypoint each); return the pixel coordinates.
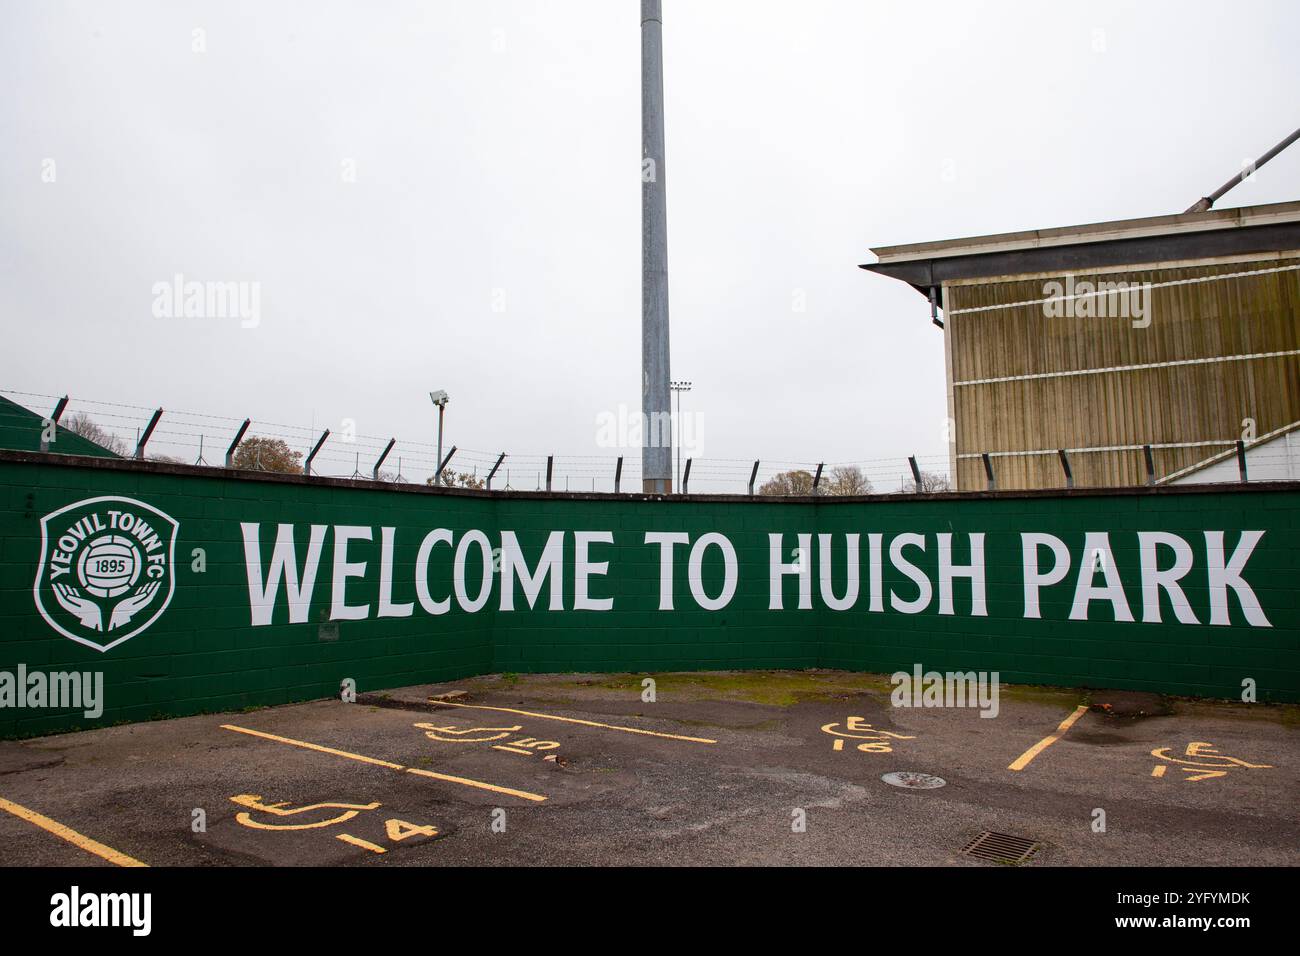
(204, 654)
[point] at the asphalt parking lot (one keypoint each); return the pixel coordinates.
(728, 768)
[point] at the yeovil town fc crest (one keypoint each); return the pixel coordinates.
(107, 569)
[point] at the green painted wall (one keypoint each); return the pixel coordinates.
(203, 652)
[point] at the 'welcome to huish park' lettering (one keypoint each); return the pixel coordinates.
(905, 573)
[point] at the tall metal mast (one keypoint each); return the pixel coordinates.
(657, 443)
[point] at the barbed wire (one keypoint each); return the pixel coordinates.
(202, 438)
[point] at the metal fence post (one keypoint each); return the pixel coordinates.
(492, 473)
(437, 478)
(1241, 459)
(1150, 463)
(306, 467)
(618, 474)
(391, 443)
(753, 475)
(148, 431)
(817, 478)
(916, 472)
(54, 420)
(550, 466)
(234, 445)
(686, 478)
(1065, 466)
(988, 472)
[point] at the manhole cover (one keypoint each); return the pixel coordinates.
(910, 780)
(1001, 848)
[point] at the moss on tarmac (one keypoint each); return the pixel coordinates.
(785, 688)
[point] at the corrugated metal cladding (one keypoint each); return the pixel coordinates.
(1043, 376)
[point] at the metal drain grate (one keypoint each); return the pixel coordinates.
(1001, 848)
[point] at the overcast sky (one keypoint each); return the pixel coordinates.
(490, 241)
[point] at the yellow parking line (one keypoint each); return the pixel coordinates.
(69, 834)
(463, 781)
(575, 720)
(1024, 759)
(357, 841)
(311, 746)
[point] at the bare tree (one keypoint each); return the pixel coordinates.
(788, 483)
(848, 480)
(843, 480)
(933, 481)
(81, 424)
